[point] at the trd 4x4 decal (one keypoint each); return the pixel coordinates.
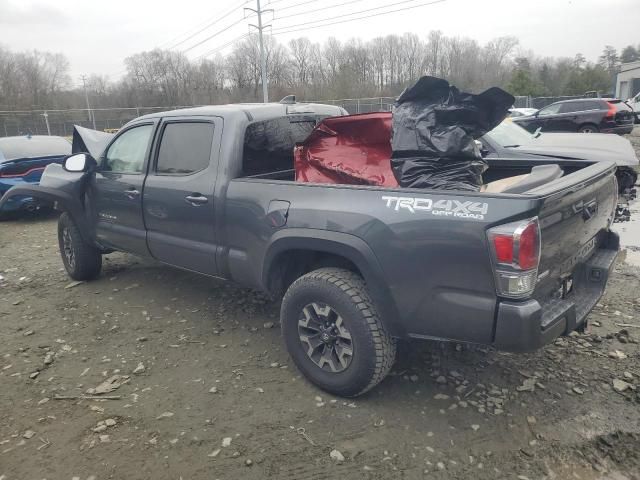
(445, 208)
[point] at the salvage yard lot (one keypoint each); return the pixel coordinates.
(210, 365)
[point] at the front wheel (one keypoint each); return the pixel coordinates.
(81, 260)
(333, 333)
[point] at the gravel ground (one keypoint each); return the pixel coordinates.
(205, 389)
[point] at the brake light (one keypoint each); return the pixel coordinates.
(529, 251)
(516, 255)
(611, 113)
(503, 245)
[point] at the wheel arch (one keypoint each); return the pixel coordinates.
(63, 201)
(589, 124)
(294, 252)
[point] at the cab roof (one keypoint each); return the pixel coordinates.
(253, 111)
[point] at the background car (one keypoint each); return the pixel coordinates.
(586, 115)
(521, 112)
(634, 103)
(22, 160)
(509, 140)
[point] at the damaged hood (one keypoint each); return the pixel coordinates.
(592, 146)
(89, 141)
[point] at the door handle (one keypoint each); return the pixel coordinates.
(132, 193)
(196, 199)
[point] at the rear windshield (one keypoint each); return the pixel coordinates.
(268, 144)
(12, 148)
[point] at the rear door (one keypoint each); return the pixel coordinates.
(178, 194)
(117, 191)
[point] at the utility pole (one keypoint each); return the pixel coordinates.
(46, 120)
(263, 59)
(86, 96)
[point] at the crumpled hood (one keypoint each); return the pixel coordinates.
(587, 146)
(89, 141)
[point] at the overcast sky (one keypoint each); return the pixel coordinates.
(97, 36)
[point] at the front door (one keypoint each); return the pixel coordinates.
(547, 117)
(178, 195)
(118, 190)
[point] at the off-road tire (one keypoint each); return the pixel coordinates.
(588, 128)
(374, 350)
(81, 260)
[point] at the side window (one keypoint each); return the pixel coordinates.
(126, 154)
(571, 107)
(551, 109)
(185, 148)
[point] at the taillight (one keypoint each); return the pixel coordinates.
(611, 113)
(515, 249)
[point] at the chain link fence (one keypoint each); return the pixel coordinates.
(362, 105)
(61, 122)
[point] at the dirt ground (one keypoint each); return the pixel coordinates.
(207, 390)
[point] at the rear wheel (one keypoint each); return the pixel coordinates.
(588, 128)
(333, 333)
(81, 260)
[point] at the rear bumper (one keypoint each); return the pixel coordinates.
(619, 129)
(22, 202)
(531, 324)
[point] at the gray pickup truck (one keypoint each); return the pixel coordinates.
(213, 190)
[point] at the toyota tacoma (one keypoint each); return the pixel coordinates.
(214, 190)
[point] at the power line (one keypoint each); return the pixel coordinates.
(211, 24)
(296, 5)
(221, 47)
(325, 7)
(286, 29)
(213, 36)
(352, 13)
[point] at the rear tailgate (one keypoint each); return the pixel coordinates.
(574, 221)
(624, 113)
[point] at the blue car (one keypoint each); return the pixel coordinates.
(22, 160)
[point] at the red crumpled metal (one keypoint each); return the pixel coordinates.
(352, 150)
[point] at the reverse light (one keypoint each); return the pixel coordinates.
(515, 249)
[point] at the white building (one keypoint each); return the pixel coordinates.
(628, 80)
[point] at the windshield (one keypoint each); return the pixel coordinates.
(509, 134)
(12, 148)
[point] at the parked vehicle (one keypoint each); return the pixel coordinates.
(212, 190)
(521, 112)
(634, 104)
(22, 160)
(509, 140)
(586, 115)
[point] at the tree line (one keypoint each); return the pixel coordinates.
(333, 69)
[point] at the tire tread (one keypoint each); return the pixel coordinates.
(355, 287)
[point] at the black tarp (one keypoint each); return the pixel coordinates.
(433, 131)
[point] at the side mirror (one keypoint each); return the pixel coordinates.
(80, 162)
